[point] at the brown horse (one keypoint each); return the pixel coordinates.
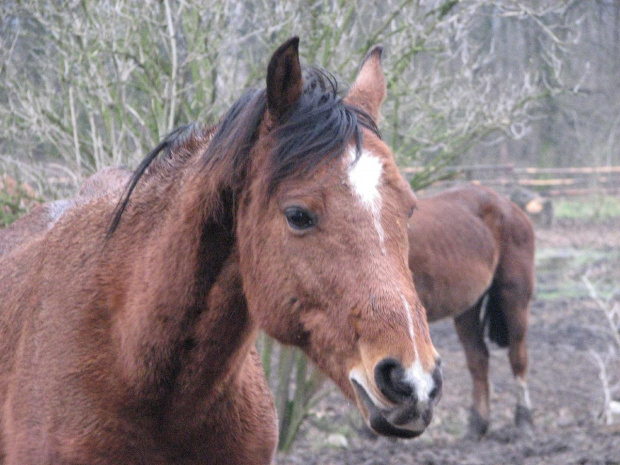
(471, 252)
(132, 341)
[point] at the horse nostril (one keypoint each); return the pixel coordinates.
(438, 380)
(389, 376)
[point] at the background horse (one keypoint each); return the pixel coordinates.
(134, 343)
(471, 251)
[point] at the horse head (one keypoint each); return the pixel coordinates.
(321, 227)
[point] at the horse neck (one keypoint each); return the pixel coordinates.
(183, 325)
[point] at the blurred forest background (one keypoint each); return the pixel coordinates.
(87, 84)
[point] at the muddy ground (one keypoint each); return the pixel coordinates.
(567, 329)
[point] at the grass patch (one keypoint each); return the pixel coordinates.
(587, 208)
(565, 290)
(559, 272)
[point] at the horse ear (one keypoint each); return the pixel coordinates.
(369, 88)
(284, 81)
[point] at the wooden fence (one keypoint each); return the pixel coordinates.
(550, 182)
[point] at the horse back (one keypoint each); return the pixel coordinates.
(107, 181)
(37, 221)
(40, 219)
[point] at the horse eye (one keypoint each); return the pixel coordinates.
(411, 211)
(299, 219)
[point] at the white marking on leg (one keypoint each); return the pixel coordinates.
(523, 395)
(365, 178)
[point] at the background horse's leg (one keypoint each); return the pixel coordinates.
(511, 295)
(516, 320)
(514, 288)
(470, 332)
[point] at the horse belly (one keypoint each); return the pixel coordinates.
(449, 295)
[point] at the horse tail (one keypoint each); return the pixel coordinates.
(494, 318)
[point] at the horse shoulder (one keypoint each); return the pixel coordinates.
(61, 351)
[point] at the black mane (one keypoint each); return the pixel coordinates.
(315, 131)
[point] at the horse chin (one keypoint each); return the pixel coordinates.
(377, 420)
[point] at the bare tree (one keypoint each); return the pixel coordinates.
(610, 312)
(98, 83)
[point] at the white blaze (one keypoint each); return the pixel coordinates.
(415, 374)
(422, 380)
(365, 178)
(409, 321)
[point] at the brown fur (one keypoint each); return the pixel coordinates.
(106, 182)
(465, 243)
(137, 347)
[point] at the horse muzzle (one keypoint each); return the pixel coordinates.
(408, 398)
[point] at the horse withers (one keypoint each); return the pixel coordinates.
(471, 252)
(127, 323)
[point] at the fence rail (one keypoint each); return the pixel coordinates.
(547, 181)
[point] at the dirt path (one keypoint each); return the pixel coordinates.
(566, 327)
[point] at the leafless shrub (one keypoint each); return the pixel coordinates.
(610, 310)
(99, 83)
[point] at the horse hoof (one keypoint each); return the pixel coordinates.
(478, 425)
(523, 419)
